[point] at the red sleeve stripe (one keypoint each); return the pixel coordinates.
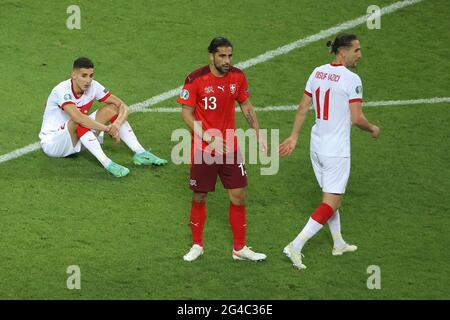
(105, 97)
(308, 94)
(66, 103)
(355, 100)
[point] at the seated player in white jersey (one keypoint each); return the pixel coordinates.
(336, 93)
(67, 124)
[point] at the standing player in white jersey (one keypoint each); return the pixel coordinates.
(66, 124)
(336, 94)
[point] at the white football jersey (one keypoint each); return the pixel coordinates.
(62, 94)
(332, 88)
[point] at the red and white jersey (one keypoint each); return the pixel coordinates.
(333, 87)
(213, 99)
(63, 94)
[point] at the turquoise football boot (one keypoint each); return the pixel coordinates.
(147, 158)
(117, 170)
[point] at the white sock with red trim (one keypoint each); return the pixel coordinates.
(90, 142)
(321, 215)
(127, 135)
(334, 223)
(311, 228)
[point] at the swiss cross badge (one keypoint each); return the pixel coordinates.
(232, 88)
(209, 89)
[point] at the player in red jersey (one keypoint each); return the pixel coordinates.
(209, 96)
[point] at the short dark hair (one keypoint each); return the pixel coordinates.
(341, 40)
(83, 63)
(219, 42)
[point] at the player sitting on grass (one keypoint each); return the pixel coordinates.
(66, 124)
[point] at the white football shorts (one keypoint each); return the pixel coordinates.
(332, 173)
(58, 143)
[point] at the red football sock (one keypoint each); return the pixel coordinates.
(322, 213)
(198, 218)
(237, 222)
(114, 118)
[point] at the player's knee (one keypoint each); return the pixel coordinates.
(237, 198)
(199, 197)
(111, 110)
(333, 200)
(107, 113)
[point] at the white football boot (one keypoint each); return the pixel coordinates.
(246, 254)
(346, 248)
(296, 257)
(195, 252)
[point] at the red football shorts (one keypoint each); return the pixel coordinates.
(204, 175)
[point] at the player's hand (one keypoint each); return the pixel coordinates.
(116, 125)
(288, 146)
(113, 131)
(375, 132)
(262, 143)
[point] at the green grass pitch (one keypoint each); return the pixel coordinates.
(129, 235)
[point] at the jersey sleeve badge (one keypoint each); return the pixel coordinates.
(184, 94)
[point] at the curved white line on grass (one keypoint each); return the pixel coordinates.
(283, 50)
(141, 106)
(22, 151)
(405, 102)
(137, 107)
(322, 35)
(295, 106)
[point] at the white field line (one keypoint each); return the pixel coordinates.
(243, 65)
(20, 152)
(283, 50)
(295, 106)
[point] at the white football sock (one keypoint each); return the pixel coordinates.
(311, 228)
(127, 135)
(334, 223)
(90, 142)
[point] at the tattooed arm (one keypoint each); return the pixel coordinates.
(250, 115)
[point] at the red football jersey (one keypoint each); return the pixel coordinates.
(213, 98)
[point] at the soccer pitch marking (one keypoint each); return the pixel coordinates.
(295, 106)
(284, 49)
(141, 106)
(30, 148)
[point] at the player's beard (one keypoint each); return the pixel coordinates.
(221, 69)
(354, 64)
